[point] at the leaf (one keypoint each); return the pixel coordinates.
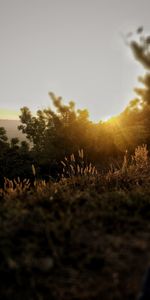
(33, 170)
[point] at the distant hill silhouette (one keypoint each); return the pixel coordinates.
(11, 127)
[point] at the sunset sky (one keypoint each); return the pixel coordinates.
(73, 48)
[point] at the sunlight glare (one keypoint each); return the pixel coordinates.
(106, 118)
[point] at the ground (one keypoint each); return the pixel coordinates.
(74, 243)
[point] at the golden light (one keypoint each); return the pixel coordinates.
(107, 118)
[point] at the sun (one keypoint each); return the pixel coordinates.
(107, 118)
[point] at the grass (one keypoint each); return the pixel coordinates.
(84, 237)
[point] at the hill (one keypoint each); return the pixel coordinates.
(84, 237)
(11, 127)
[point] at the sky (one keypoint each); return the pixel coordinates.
(73, 48)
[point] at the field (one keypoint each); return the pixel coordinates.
(84, 237)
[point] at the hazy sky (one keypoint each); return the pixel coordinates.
(71, 47)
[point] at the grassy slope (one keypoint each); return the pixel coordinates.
(74, 241)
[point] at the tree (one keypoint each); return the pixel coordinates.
(3, 136)
(3, 140)
(14, 143)
(141, 50)
(56, 133)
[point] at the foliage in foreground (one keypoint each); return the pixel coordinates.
(85, 237)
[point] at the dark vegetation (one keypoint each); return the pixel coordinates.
(75, 201)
